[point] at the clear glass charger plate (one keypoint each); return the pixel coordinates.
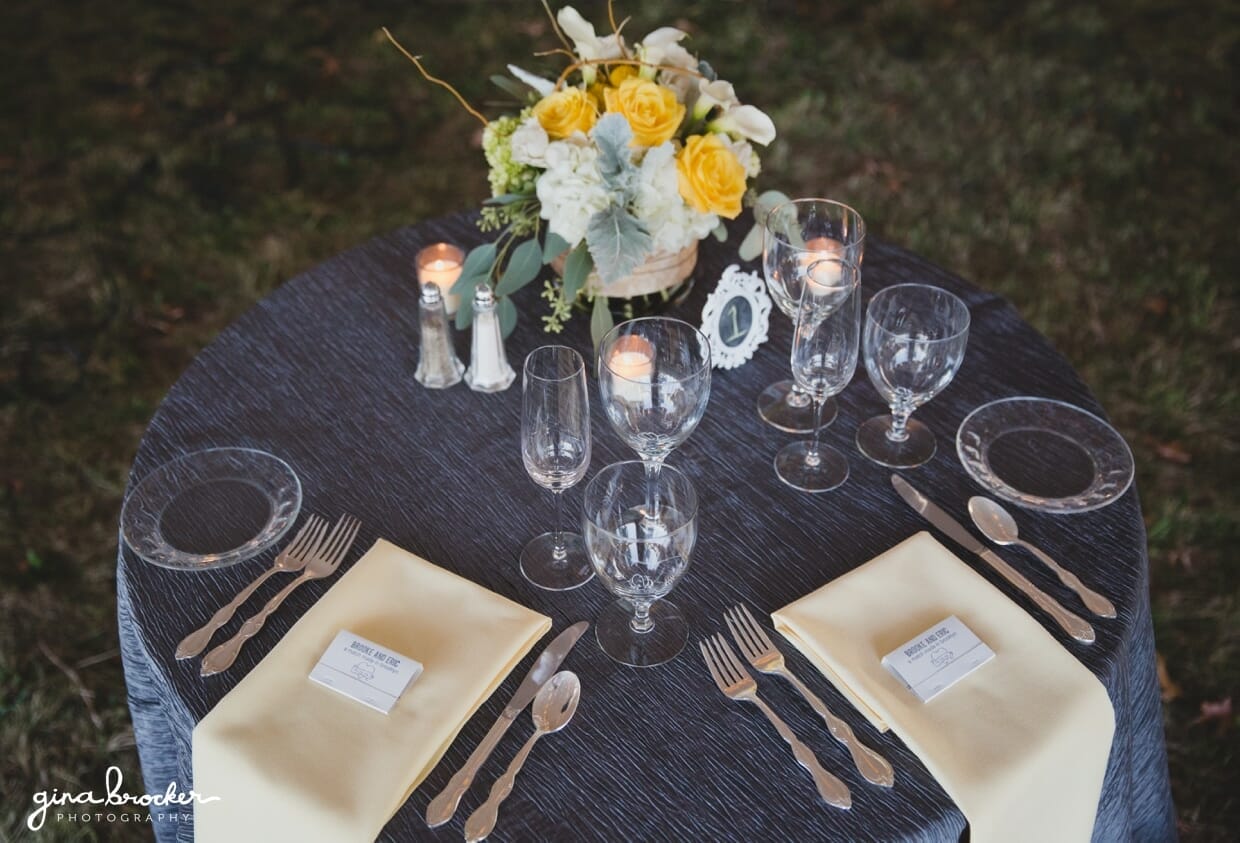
(1044, 454)
(210, 509)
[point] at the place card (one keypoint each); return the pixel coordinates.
(937, 658)
(365, 672)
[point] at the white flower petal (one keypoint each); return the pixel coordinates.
(575, 26)
(747, 122)
(663, 36)
(539, 84)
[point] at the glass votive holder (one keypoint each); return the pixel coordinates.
(440, 264)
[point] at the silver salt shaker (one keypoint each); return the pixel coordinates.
(488, 363)
(438, 365)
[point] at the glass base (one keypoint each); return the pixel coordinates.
(540, 566)
(662, 643)
(829, 472)
(775, 410)
(917, 449)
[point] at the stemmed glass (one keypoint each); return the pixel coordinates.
(654, 378)
(915, 336)
(796, 234)
(640, 562)
(555, 447)
(824, 358)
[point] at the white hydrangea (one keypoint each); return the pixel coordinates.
(745, 154)
(571, 190)
(529, 143)
(670, 220)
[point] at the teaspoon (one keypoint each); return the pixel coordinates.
(997, 524)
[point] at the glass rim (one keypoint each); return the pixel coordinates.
(579, 368)
(968, 317)
(806, 200)
(703, 343)
(616, 467)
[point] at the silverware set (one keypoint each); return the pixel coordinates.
(555, 697)
(314, 553)
(736, 683)
(999, 527)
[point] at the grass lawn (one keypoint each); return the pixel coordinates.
(163, 166)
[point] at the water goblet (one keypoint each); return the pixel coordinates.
(654, 379)
(824, 358)
(796, 234)
(914, 338)
(640, 559)
(555, 448)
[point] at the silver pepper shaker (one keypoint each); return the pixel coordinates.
(488, 363)
(438, 365)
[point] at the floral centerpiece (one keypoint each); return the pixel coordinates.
(623, 163)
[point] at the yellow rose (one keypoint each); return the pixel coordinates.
(619, 73)
(561, 113)
(653, 112)
(710, 177)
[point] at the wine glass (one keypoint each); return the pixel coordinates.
(638, 560)
(654, 378)
(555, 447)
(915, 336)
(824, 358)
(794, 235)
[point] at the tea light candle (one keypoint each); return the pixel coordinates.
(440, 264)
(632, 358)
(822, 273)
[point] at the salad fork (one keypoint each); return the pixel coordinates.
(760, 651)
(736, 683)
(292, 558)
(323, 562)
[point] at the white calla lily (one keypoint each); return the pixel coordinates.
(539, 84)
(711, 94)
(747, 122)
(585, 40)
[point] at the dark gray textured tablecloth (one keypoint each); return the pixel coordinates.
(321, 374)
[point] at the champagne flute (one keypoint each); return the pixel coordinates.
(824, 358)
(555, 447)
(796, 234)
(654, 379)
(915, 336)
(639, 562)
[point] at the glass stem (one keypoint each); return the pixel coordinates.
(558, 551)
(812, 458)
(641, 621)
(899, 423)
(653, 466)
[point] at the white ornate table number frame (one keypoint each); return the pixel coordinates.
(736, 317)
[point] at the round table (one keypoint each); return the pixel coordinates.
(321, 374)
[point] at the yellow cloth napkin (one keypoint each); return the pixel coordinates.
(1021, 744)
(293, 760)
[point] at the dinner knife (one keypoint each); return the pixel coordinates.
(443, 806)
(1074, 625)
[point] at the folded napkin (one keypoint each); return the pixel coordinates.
(1021, 744)
(293, 760)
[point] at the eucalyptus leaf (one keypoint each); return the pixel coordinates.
(617, 242)
(612, 135)
(720, 233)
(479, 261)
(600, 320)
(464, 286)
(576, 269)
(464, 314)
(751, 246)
(554, 246)
(507, 315)
(508, 198)
(522, 268)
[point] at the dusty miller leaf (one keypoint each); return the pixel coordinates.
(615, 160)
(617, 242)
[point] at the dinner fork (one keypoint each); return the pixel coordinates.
(736, 683)
(292, 558)
(760, 651)
(323, 562)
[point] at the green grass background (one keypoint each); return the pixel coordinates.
(164, 165)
